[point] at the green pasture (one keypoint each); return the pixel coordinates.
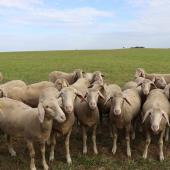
(118, 66)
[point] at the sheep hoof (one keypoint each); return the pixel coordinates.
(84, 151)
(129, 154)
(69, 161)
(144, 156)
(13, 153)
(51, 159)
(33, 168)
(161, 158)
(96, 152)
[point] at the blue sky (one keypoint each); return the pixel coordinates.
(83, 24)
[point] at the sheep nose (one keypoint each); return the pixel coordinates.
(117, 111)
(155, 128)
(145, 92)
(92, 105)
(68, 109)
(63, 118)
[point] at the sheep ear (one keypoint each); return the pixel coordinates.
(80, 95)
(139, 84)
(146, 115)
(101, 95)
(154, 79)
(2, 93)
(41, 112)
(153, 84)
(91, 85)
(102, 75)
(125, 98)
(166, 117)
(107, 100)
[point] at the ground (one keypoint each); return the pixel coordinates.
(118, 66)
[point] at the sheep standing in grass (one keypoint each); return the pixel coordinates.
(70, 77)
(33, 124)
(155, 113)
(88, 116)
(68, 96)
(4, 88)
(140, 72)
(27, 94)
(125, 106)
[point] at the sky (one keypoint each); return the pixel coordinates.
(30, 25)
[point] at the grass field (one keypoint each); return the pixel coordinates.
(118, 66)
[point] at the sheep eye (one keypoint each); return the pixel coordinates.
(47, 107)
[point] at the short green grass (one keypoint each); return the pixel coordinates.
(118, 66)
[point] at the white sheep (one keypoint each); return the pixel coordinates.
(33, 124)
(28, 94)
(155, 113)
(88, 115)
(70, 77)
(140, 72)
(10, 84)
(124, 108)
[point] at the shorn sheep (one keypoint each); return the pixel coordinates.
(125, 106)
(140, 72)
(33, 124)
(155, 113)
(68, 96)
(70, 77)
(88, 115)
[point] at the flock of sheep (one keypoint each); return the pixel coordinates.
(44, 110)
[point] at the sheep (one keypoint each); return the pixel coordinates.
(61, 83)
(28, 94)
(95, 76)
(10, 84)
(68, 96)
(88, 115)
(160, 82)
(133, 84)
(140, 72)
(63, 128)
(155, 113)
(33, 124)
(107, 91)
(70, 77)
(124, 108)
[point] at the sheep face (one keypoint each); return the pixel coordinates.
(147, 85)
(78, 74)
(98, 77)
(117, 102)
(156, 116)
(92, 98)
(68, 96)
(51, 110)
(61, 83)
(139, 72)
(160, 82)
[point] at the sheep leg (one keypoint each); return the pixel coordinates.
(84, 139)
(161, 155)
(44, 163)
(53, 144)
(128, 127)
(32, 155)
(94, 140)
(167, 134)
(10, 147)
(114, 135)
(133, 129)
(148, 141)
(67, 145)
